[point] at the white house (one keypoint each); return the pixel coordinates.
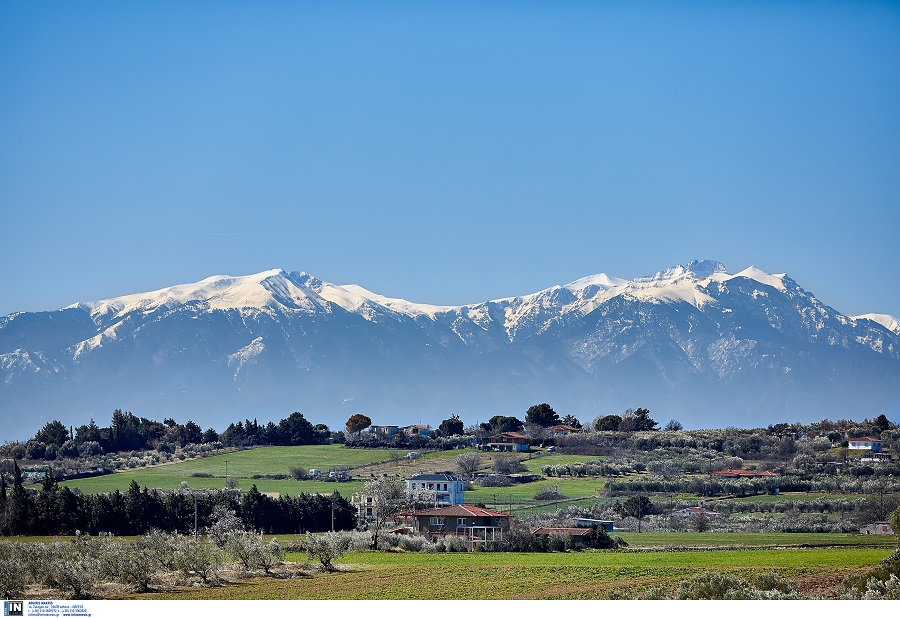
(879, 527)
(441, 489)
(867, 444)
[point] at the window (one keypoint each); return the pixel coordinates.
(461, 521)
(437, 521)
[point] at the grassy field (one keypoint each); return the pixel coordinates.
(555, 576)
(648, 540)
(209, 473)
(242, 466)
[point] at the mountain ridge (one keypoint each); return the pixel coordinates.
(691, 339)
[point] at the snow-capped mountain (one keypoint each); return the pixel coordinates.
(693, 343)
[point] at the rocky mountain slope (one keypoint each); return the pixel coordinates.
(693, 343)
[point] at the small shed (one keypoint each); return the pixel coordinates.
(878, 527)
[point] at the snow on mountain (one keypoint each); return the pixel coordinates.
(352, 297)
(261, 291)
(601, 281)
(774, 281)
(888, 321)
(694, 341)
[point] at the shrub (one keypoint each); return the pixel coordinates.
(326, 548)
(14, 572)
(72, 567)
(411, 543)
(252, 552)
(878, 580)
(453, 543)
(199, 559)
(550, 492)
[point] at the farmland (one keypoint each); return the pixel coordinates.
(816, 563)
(570, 576)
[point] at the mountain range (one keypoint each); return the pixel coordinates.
(692, 343)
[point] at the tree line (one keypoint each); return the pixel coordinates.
(61, 511)
(128, 432)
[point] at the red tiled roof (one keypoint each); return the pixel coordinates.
(510, 434)
(460, 510)
(700, 510)
(864, 440)
(566, 531)
(740, 472)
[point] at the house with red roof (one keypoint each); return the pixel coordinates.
(416, 430)
(478, 527)
(864, 444)
(509, 441)
(736, 473)
(562, 430)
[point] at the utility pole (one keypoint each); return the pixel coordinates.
(196, 533)
(226, 474)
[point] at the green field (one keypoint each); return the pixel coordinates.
(580, 575)
(278, 460)
(242, 466)
(639, 540)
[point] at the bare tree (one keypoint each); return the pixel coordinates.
(507, 464)
(468, 464)
(387, 496)
(225, 521)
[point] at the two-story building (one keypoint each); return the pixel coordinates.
(416, 430)
(476, 526)
(381, 432)
(507, 442)
(439, 489)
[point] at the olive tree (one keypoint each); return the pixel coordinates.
(327, 547)
(14, 573)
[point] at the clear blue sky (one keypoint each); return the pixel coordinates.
(447, 152)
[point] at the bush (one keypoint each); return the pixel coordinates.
(130, 563)
(198, 559)
(14, 572)
(494, 480)
(90, 449)
(879, 580)
(252, 552)
(327, 547)
(412, 543)
(550, 492)
(452, 543)
(71, 567)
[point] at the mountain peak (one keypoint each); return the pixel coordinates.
(695, 269)
(601, 280)
(703, 269)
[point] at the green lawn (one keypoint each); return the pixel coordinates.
(242, 465)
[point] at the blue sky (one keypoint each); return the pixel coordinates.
(447, 152)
